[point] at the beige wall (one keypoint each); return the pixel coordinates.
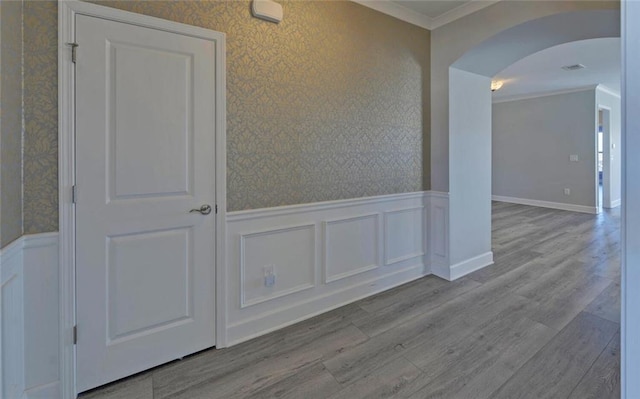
(41, 117)
(331, 103)
(10, 121)
(451, 41)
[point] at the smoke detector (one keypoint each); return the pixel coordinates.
(573, 67)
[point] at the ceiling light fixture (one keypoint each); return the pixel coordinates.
(496, 85)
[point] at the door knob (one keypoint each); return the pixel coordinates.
(204, 209)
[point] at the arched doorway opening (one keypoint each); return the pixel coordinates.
(468, 139)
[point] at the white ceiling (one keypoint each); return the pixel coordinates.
(430, 8)
(542, 72)
(429, 14)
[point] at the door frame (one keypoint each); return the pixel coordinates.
(606, 157)
(67, 10)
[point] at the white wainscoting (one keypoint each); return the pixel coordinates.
(325, 255)
(29, 344)
(12, 321)
(295, 265)
(439, 234)
(351, 246)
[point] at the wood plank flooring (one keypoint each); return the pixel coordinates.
(542, 322)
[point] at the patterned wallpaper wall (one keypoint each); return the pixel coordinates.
(40, 116)
(10, 121)
(329, 104)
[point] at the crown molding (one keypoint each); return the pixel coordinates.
(397, 11)
(542, 94)
(607, 90)
(460, 11)
(403, 13)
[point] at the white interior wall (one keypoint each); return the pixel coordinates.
(470, 184)
(532, 143)
(612, 148)
(484, 43)
(630, 200)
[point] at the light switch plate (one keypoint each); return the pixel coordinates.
(573, 157)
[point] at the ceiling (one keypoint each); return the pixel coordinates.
(429, 14)
(533, 75)
(542, 72)
(431, 8)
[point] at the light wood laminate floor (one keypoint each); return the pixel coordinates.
(542, 322)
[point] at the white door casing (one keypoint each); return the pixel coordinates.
(145, 156)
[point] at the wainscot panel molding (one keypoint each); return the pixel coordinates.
(353, 248)
(404, 234)
(341, 258)
(438, 228)
(12, 321)
(29, 322)
(547, 204)
(266, 248)
(323, 256)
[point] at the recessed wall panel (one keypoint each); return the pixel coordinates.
(149, 114)
(439, 228)
(351, 246)
(404, 238)
(149, 281)
(291, 253)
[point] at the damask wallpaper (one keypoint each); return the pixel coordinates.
(40, 116)
(10, 121)
(331, 103)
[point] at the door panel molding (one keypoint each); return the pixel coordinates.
(67, 12)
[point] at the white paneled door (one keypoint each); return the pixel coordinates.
(145, 198)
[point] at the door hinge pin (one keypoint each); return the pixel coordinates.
(74, 51)
(74, 194)
(75, 335)
(216, 208)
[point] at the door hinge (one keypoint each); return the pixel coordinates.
(216, 208)
(74, 51)
(75, 335)
(74, 194)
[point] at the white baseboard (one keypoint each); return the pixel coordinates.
(29, 270)
(547, 204)
(441, 269)
(463, 268)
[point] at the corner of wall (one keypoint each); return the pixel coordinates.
(29, 318)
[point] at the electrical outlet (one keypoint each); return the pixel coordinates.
(574, 158)
(269, 275)
(567, 191)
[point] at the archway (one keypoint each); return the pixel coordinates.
(469, 124)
